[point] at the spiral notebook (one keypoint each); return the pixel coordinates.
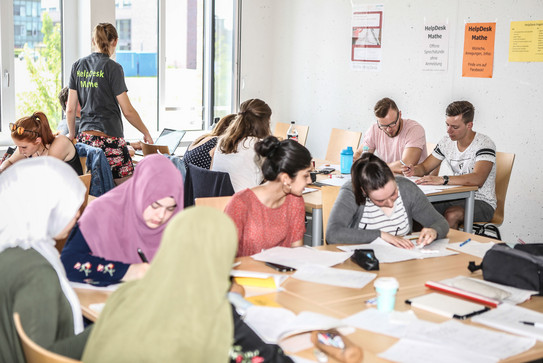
(444, 305)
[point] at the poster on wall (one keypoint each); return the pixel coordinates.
(478, 50)
(367, 30)
(526, 41)
(435, 46)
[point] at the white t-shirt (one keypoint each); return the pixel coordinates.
(481, 148)
(243, 165)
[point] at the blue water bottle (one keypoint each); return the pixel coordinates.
(346, 160)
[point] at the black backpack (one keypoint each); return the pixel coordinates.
(520, 267)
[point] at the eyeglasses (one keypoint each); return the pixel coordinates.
(390, 125)
(20, 130)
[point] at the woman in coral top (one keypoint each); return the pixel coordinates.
(273, 214)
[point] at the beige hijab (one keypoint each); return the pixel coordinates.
(179, 311)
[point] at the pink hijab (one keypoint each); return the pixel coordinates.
(113, 224)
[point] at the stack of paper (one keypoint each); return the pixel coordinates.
(273, 324)
(334, 276)
(387, 253)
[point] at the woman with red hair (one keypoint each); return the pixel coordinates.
(33, 137)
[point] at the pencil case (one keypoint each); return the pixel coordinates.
(351, 353)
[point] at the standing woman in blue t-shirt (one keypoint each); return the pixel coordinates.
(97, 82)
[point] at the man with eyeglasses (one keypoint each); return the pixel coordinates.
(472, 159)
(394, 139)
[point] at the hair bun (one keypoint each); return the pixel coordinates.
(274, 145)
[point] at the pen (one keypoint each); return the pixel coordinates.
(466, 241)
(142, 256)
(531, 323)
(397, 230)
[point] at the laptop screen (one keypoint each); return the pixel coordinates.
(170, 138)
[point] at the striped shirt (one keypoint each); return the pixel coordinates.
(375, 219)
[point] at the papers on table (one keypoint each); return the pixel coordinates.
(300, 256)
(309, 190)
(430, 189)
(336, 180)
(334, 276)
(474, 248)
(387, 253)
(451, 341)
(502, 293)
(273, 324)
(508, 317)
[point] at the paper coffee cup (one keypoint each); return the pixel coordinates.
(386, 288)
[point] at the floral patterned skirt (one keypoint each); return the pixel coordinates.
(116, 153)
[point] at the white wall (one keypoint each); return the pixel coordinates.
(295, 56)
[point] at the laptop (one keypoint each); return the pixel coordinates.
(168, 137)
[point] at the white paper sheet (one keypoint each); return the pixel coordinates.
(336, 180)
(334, 276)
(413, 351)
(300, 256)
(507, 317)
(480, 341)
(379, 322)
(309, 190)
(387, 253)
(273, 324)
(474, 248)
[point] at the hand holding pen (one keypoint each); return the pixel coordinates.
(407, 170)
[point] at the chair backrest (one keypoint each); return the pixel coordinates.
(215, 202)
(149, 149)
(504, 166)
(33, 352)
(339, 140)
(83, 161)
(329, 196)
(202, 183)
(86, 179)
(281, 129)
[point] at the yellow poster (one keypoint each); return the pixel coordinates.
(478, 50)
(526, 41)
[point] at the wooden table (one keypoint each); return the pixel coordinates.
(341, 302)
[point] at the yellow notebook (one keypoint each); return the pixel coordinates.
(257, 282)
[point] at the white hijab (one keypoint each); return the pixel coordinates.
(38, 198)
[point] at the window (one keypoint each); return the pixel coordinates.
(37, 58)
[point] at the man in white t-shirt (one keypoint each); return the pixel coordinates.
(393, 138)
(472, 158)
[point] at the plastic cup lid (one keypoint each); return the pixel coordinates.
(386, 283)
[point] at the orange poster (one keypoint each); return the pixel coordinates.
(478, 50)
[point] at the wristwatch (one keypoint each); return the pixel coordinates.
(445, 179)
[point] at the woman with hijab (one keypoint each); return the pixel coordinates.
(169, 316)
(40, 200)
(102, 249)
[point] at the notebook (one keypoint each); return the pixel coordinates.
(444, 305)
(168, 137)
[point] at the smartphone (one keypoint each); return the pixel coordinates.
(280, 268)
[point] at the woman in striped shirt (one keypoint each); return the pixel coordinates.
(377, 204)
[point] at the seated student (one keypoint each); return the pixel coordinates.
(102, 249)
(472, 158)
(235, 152)
(392, 138)
(40, 201)
(376, 204)
(172, 315)
(201, 151)
(33, 137)
(273, 214)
